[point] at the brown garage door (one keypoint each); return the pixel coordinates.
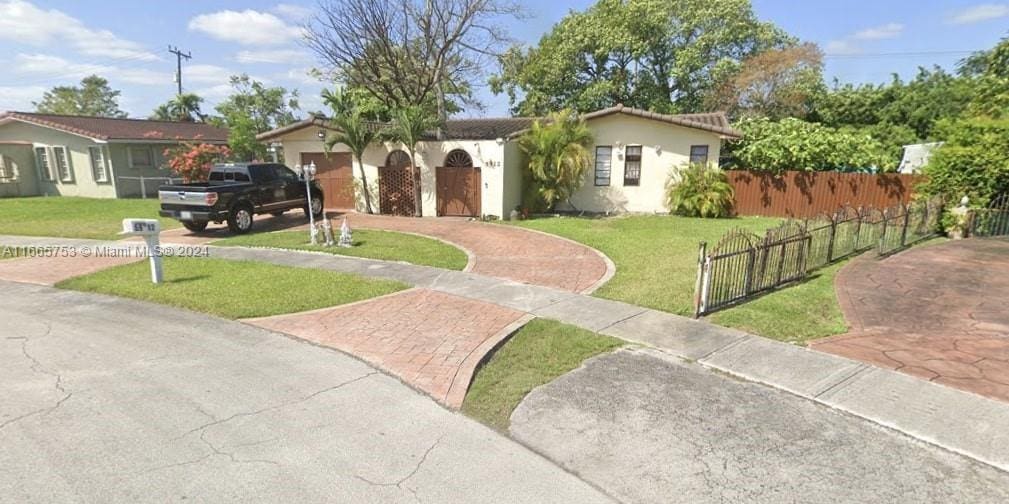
(335, 175)
(458, 191)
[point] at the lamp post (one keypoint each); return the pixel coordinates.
(308, 173)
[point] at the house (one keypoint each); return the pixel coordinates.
(99, 157)
(916, 156)
(476, 169)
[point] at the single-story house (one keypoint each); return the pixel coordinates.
(476, 169)
(99, 157)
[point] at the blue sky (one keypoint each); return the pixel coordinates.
(49, 43)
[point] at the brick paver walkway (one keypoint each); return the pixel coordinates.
(431, 340)
(938, 312)
(51, 270)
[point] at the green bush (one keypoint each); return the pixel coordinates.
(700, 191)
(794, 144)
(973, 161)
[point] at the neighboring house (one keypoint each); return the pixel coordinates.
(477, 168)
(916, 156)
(57, 155)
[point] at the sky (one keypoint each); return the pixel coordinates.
(57, 42)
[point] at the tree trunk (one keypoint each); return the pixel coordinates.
(440, 99)
(418, 207)
(364, 185)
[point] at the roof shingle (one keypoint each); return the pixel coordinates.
(111, 129)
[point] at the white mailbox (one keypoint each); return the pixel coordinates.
(150, 229)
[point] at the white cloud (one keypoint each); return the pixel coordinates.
(248, 27)
(293, 12)
(48, 65)
(841, 47)
(275, 56)
(23, 22)
(887, 31)
(304, 76)
(206, 74)
(19, 97)
(979, 13)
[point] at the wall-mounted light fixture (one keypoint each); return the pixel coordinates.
(658, 150)
(321, 134)
(618, 144)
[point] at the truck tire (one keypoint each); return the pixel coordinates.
(317, 206)
(240, 219)
(195, 226)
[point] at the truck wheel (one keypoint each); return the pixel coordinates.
(195, 226)
(317, 206)
(240, 220)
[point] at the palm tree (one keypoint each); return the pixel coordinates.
(357, 134)
(558, 153)
(183, 107)
(409, 126)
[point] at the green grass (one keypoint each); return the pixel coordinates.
(72, 217)
(538, 353)
(795, 314)
(233, 289)
(386, 245)
(656, 256)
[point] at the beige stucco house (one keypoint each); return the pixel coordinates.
(477, 167)
(99, 157)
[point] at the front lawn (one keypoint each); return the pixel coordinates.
(72, 217)
(656, 260)
(535, 355)
(373, 244)
(233, 289)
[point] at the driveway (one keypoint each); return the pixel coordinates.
(938, 312)
(650, 428)
(108, 400)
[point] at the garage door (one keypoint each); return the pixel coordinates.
(335, 176)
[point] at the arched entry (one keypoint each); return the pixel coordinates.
(458, 185)
(395, 186)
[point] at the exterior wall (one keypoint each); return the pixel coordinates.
(21, 159)
(657, 165)
(486, 154)
(127, 176)
(514, 164)
(83, 182)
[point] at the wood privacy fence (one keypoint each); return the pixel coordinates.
(801, 194)
(743, 265)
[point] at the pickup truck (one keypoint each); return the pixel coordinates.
(235, 192)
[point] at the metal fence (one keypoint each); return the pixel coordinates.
(744, 264)
(992, 220)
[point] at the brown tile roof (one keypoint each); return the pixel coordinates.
(715, 122)
(109, 129)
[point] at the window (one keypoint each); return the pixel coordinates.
(241, 177)
(632, 165)
(98, 168)
(698, 154)
(141, 157)
(42, 160)
(7, 173)
(62, 164)
(284, 173)
(604, 160)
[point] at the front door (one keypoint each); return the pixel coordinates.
(458, 191)
(335, 176)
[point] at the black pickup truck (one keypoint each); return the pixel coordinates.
(235, 192)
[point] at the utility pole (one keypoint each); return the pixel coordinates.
(178, 62)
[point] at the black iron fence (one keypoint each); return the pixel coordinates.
(992, 220)
(743, 264)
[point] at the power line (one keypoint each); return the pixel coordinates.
(895, 54)
(178, 62)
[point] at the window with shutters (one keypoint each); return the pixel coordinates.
(98, 166)
(604, 163)
(42, 160)
(62, 161)
(632, 165)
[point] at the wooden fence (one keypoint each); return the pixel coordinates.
(799, 194)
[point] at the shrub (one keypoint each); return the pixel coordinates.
(192, 161)
(973, 161)
(700, 191)
(558, 154)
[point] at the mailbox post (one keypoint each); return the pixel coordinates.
(308, 173)
(150, 229)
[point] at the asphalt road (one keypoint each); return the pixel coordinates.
(109, 400)
(650, 428)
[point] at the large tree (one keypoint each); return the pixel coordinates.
(184, 107)
(665, 56)
(410, 53)
(777, 83)
(254, 108)
(93, 97)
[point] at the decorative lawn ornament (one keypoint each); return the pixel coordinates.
(327, 231)
(346, 238)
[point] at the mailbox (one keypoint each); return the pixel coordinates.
(150, 229)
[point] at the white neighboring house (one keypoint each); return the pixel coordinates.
(477, 168)
(916, 156)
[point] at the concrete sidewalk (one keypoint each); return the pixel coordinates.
(959, 421)
(110, 400)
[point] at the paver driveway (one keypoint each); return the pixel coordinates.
(937, 312)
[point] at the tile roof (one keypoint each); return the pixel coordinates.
(111, 129)
(716, 122)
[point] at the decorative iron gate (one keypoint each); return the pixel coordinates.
(395, 191)
(992, 220)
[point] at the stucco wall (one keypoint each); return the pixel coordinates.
(83, 182)
(126, 175)
(20, 159)
(656, 165)
(486, 154)
(514, 164)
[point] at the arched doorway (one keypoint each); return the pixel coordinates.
(395, 186)
(458, 185)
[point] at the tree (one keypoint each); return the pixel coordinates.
(93, 97)
(184, 107)
(254, 108)
(409, 126)
(558, 153)
(663, 56)
(793, 144)
(776, 83)
(409, 53)
(192, 161)
(353, 131)
(973, 161)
